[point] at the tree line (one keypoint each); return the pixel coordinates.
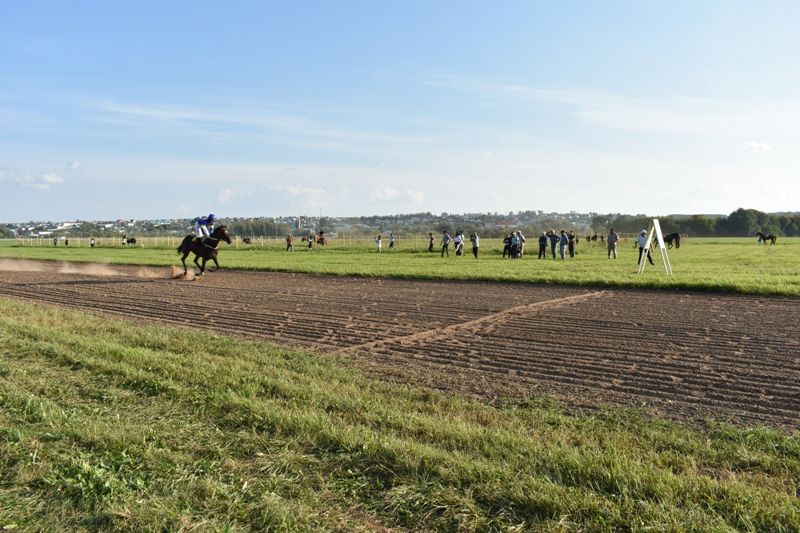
(740, 223)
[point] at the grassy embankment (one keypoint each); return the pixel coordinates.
(108, 426)
(730, 265)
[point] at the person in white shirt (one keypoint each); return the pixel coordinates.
(378, 243)
(458, 241)
(642, 244)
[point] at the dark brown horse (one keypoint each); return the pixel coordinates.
(673, 238)
(204, 250)
(766, 237)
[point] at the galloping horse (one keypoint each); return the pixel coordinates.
(764, 238)
(673, 238)
(206, 249)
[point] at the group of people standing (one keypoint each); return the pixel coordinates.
(458, 243)
(564, 241)
(379, 242)
(613, 239)
(514, 245)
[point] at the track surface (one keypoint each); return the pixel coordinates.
(684, 355)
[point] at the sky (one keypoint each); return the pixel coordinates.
(152, 109)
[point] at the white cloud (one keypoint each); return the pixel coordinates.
(416, 197)
(311, 197)
(225, 195)
(756, 146)
(51, 178)
(75, 165)
(380, 194)
(250, 122)
(42, 182)
(677, 115)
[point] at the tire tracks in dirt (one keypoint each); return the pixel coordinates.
(471, 326)
(683, 355)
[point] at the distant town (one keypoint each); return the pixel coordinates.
(742, 222)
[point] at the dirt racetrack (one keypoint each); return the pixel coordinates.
(684, 355)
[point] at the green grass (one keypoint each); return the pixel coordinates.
(727, 265)
(110, 426)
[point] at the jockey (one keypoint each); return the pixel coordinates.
(203, 226)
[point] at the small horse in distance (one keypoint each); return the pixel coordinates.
(246, 240)
(673, 238)
(206, 249)
(126, 240)
(762, 237)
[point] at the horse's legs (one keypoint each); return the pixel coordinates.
(216, 267)
(196, 257)
(183, 260)
(203, 268)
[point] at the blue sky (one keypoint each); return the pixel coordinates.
(173, 109)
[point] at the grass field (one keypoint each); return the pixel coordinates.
(105, 425)
(730, 265)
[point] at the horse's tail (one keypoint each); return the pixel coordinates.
(182, 246)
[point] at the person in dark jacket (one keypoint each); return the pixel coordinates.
(554, 240)
(543, 246)
(507, 245)
(571, 243)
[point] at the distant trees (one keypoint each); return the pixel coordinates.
(740, 223)
(257, 227)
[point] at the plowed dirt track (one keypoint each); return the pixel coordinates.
(685, 355)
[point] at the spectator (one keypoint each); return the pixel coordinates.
(507, 245)
(289, 243)
(553, 242)
(378, 243)
(311, 238)
(458, 241)
(446, 238)
(514, 245)
(474, 239)
(431, 242)
(571, 243)
(92, 242)
(642, 244)
(521, 238)
(392, 240)
(612, 240)
(563, 241)
(543, 246)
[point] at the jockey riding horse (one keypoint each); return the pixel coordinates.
(206, 249)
